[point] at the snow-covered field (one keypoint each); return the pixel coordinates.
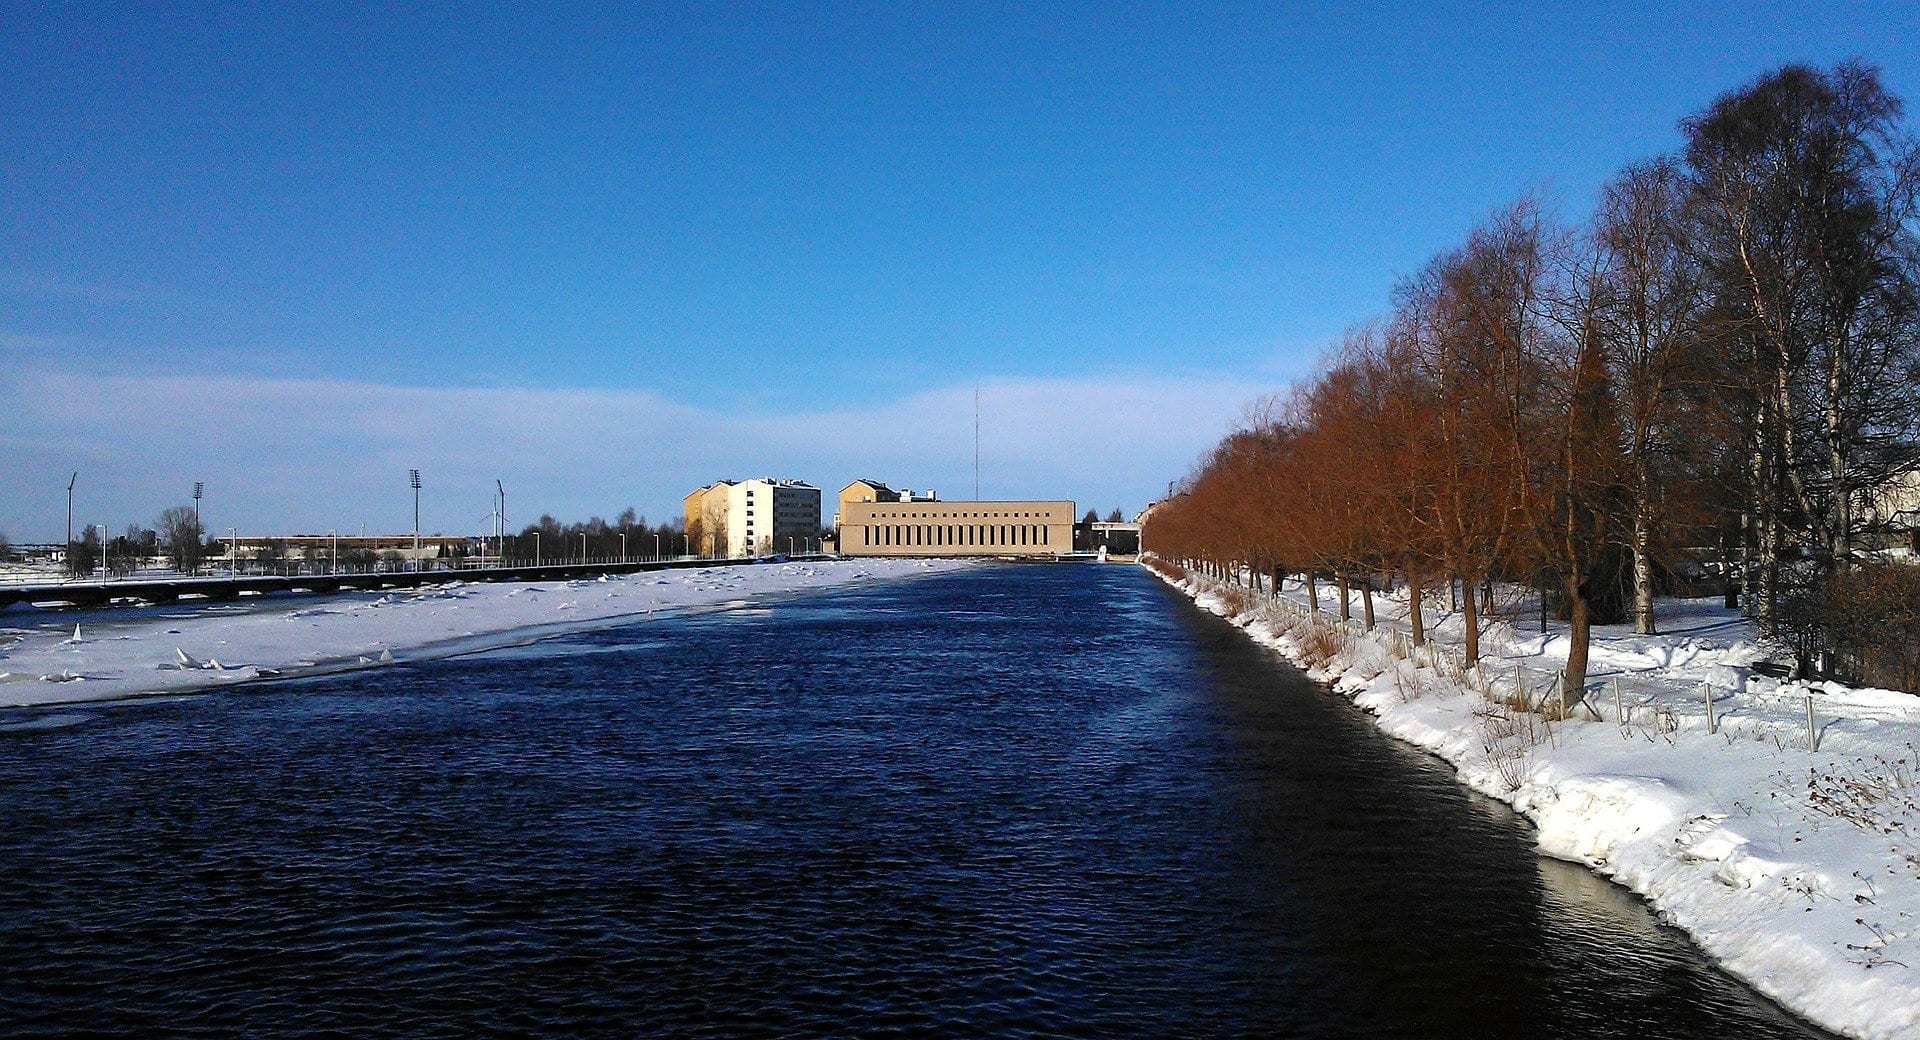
(186, 649)
(1798, 868)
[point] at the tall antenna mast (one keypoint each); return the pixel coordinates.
(976, 442)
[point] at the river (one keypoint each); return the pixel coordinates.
(1024, 800)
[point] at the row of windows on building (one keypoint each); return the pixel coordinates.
(973, 516)
(958, 535)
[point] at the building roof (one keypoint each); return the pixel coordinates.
(879, 489)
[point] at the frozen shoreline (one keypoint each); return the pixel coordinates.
(1796, 869)
(192, 652)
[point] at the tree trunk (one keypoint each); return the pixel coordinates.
(1366, 599)
(1729, 584)
(1838, 477)
(1313, 592)
(1642, 573)
(1346, 606)
(1414, 615)
(1580, 634)
(1471, 617)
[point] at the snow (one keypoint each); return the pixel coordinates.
(188, 649)
(1792, 858)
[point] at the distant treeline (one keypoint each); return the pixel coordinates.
(1721, 365)
(596, 538)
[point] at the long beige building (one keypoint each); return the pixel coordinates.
(933, 528)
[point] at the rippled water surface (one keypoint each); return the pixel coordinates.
(1029, 801)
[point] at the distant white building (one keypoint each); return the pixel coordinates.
(735, 518)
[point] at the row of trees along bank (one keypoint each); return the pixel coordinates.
(1725, 356)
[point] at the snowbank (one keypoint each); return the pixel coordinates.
(182, 650)
(1792, 856)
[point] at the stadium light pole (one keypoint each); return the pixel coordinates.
(413, 480)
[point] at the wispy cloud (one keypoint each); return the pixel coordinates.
(291, 454)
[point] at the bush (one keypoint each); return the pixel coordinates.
(1870, 621)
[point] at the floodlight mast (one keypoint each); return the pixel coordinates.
(413, 479)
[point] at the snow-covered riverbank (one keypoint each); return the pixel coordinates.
(187, 649)
(1797, 867)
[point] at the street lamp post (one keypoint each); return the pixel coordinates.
(583, 547)
(103, 551)
(536, 548)
(413, 478)
(67, 550)
(623, 547)
(233, 552)
(199, 489)
(333, 552)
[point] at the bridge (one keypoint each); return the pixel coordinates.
(92, 593)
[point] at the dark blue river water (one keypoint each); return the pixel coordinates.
(1018, 801)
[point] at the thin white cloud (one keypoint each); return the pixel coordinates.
(288, 455)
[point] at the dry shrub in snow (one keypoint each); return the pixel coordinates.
(1881, 795)
(1408, 683)
(1318, 643)
(1234, 598)
(1508, 738)
(1165, 569)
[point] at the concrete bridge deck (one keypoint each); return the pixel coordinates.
(220, 587)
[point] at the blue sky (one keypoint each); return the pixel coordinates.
(607, 253)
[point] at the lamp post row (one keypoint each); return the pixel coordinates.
(333, 536)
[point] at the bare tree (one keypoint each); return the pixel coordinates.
(182, 538)
(126, 552)
(1651, 307)
(83, 555)
(1808, 190)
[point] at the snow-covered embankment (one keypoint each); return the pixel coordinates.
(186, 649)
(1797, 867)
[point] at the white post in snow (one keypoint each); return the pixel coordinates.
(1619, 712)
(1813, 732)
(1712, 725)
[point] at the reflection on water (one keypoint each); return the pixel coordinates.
(1035, 801)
